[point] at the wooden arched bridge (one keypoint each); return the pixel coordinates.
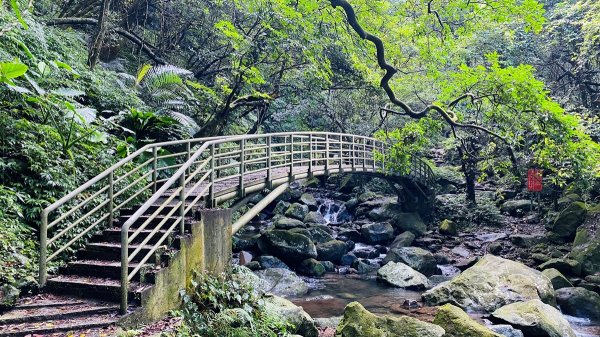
(121, 224)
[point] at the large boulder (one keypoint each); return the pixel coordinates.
(311, 267)
(288, 246)
(586, 246)
(393, 213)
(297, 211)
(579, 302)
(288, 223)
(535, 318)
(458, 323)
(280, 281)
(403, 240)
(565, 266)
(377, 232)
(490, 284)
(417, 258)
(318, 234)
(401, 276)
(286, 311)
(309, 200)
(314, 217)
(331, 251)
(566, 223)
(358, 322)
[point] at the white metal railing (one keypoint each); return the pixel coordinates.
(212, 170)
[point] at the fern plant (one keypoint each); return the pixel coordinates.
(164, 90)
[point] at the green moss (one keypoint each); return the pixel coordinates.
(457, 323)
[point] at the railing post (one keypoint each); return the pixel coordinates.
(310, 155)
(43, 249)
(353, 154)
(124, 267)
(242, 166)
(189, 155)
(211, 189)
(291, 157)
(111, 204)
(341, 153)
(326, 153)
(383, 154)
(154, 169)
(182, 206)
(364, 153)
(373, 147)
(269, 162)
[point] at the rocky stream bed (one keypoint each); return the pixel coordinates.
(353, 260)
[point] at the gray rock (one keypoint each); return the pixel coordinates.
(297, 211)
(281, 207)
(535, 318)
(267, 261)
(363, 267)
(403, 240)
(348, 259)
(329, 266)
(318, 234)
(417, 258)
(314, 217)
(565, 266)
(527, 241)
(245, 242)
(280, 281)
(566, 223)
(506, 330)
(288, 223)
(410, 222)
(309, 200)
(377, 232)
(512, 207)
(285, 310)
(311, 267)
(495, 248)
(491, 283)
(349, 234)
(245, 258)
(579, 302)
(401, 276)
(331, 251)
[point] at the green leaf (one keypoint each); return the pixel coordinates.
(142, 73)
(10, 70)
(15, 7)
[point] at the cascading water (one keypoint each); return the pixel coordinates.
(333, 211)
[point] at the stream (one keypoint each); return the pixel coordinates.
(328, 295)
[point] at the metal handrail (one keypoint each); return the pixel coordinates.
(207, 163)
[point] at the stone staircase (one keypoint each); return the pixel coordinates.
(86, 292)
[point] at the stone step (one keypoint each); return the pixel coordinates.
(164, 211)
(24, 314)
(111, 251)
(57, 326)
(105, 269)
(114, 235)
(93, 287)
(154, 222)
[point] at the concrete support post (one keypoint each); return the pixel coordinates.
(217, 239)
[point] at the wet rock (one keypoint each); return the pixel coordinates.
(593, 279)
(351, 204)
(245, 242)
(558, 280)
(358, 322)
(288, 223)
(309, 200)
(288, 246)
(411, 222)
(506, 330)
(314, 217)
(565, 266)
(285, 310)
(535, 318)
(448, 227)
(495, 248)
(403, 240)
(280, 281)
(245, 258)
(401, 276)
(9, 296)
(281, 207)
(579, 302)
(366, 253)
(526, 240)
(363, 267)
(540, 258)
(467, 263)
(253, 265)
(350, 245)
(513, 207)
(568, 220)
(318, 234)
(311, 267)
(377, 232)
(267, 261)
(457, 323)
(491, 283)
(461, 251)
(417, 258)
(329, 266)
(348, 259)
(297, 211)
(349, 234)
(331, 251)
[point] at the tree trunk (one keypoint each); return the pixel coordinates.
(99, 36)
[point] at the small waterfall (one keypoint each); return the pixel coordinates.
(333, 211)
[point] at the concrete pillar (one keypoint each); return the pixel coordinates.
(217, 239)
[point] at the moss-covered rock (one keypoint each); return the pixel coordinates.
(297, 211)
(557, 278)
(417, 258)
(579, 302)
(314, 217)
(318, 234)
(309, 200)
(512, 207)
(331, 251)
(377, 232)
(288, 246)
(287, 311)
(448, 227)
(311, 267)
(565, 266)
(535, 318)
(586, 246)
(490, 284)
(280, 281)
(403, 240)
(457, 323)
(288, 223)
(358, 322)
(568, 220)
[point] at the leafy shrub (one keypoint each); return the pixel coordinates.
(226, 306)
